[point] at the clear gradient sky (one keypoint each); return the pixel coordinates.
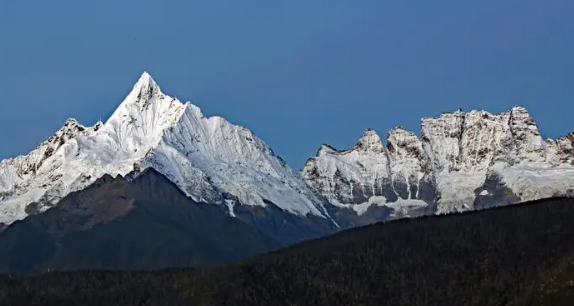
(298, 73)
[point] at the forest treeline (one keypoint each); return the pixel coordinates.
(516, 255)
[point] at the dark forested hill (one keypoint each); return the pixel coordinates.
(145, 223)
(518, 255)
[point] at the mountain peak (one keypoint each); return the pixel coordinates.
(370, 141)
(146, 78)
(145, 88)
(326, 149)
(399, 130)
(519, 108)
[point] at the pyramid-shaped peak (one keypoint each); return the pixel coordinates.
(146, 77)
(146, 97)
(146, 83)
(144, 88)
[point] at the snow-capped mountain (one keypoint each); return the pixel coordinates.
(210, 159)
(463, 161)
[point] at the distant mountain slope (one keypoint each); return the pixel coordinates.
(146, 223)
(518, 255)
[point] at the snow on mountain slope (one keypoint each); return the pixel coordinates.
(234, 161)
(369, 174)
(409, 166)
(351, 176)
(18, 185)
(208, 158)
(463, 161)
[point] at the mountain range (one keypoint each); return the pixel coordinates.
(462, 161)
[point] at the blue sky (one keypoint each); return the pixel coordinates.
(298, 73)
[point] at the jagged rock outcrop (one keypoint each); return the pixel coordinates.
(463, 161)
(374, 181)
(561, 150)
(409, 166)
(352, 176)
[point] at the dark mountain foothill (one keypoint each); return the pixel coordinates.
(517, 255)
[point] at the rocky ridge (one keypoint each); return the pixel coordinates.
(462, 161)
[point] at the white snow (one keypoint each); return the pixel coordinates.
(400, 207)
(457, 190)
(364, 165)
(230, 203)
(532, 183)
(362, 208)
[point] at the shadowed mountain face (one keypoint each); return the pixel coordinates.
(145, 223)
(517, 255)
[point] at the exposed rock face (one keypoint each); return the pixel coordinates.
(409, 166)
(441, 138)
(365, 179)
(530, 147)
(476, 140)
(561, 150)
(463, 161)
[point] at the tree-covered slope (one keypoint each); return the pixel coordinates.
(517, 255)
